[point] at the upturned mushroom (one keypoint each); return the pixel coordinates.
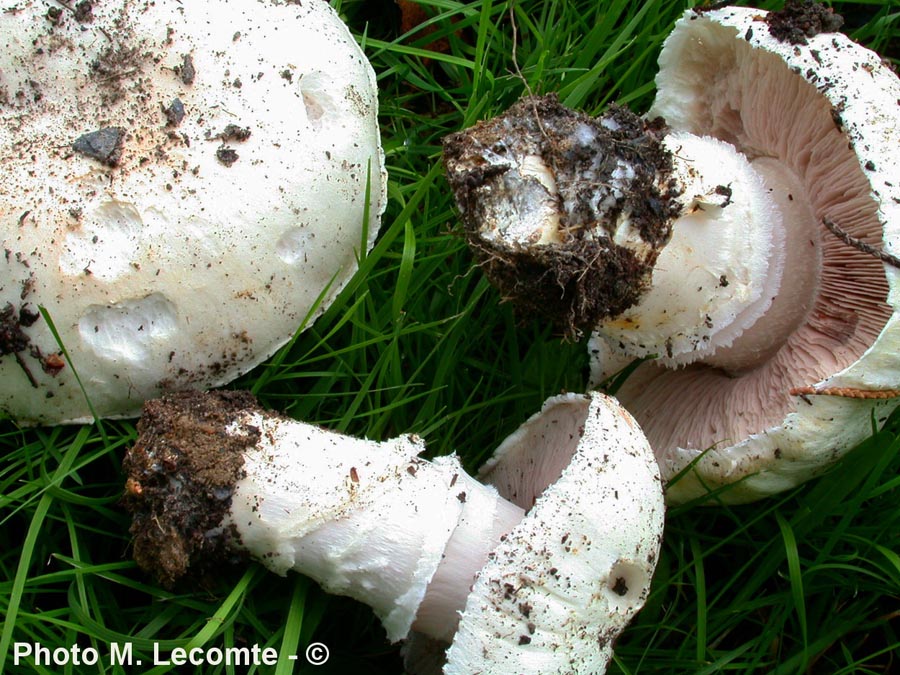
(536, 575)
(182, 186)
(741, 234)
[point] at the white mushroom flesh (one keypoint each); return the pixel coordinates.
(363, 519)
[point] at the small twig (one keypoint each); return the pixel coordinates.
(846, 392)
(860, 245)
(27, 371)
(515, 42)
(515, 62)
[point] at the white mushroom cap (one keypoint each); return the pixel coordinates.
(565, 581)
(182, 186)
(827, 114)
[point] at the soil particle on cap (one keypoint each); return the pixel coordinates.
(620, 587)
(724, 191)
(174, 112)
(104, 145)
(84, 11)
(181, 474)
(226, 155)
(802, 19)
(12, 338)
(584, 277)
(231, 132)
(28, 317)
(54, 14)
(186, 70)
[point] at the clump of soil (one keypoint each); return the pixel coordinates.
(12, 338)
(801, 19)
(84, 12)
(104, 145)
(174, 112)
(606, 171)
(181, 474)
(565, 284)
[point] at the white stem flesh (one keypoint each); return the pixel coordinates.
(485, 518)
(728, 259)
(368, 520)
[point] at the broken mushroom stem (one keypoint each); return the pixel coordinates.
(364, 519)
(214, 475)
(673, 244)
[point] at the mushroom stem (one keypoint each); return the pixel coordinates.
(669, 244)
(561, 567)
(484, 520)
(739, 273)
(368, 520)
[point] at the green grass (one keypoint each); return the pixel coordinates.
(805, 583)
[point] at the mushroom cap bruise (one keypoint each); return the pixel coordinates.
(563, 584)
(828, 112)
(182, 185)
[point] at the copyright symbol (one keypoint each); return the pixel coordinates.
(317, 654)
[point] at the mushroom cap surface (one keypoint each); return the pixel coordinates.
(565, 581)
(828, 110)
(182, 186)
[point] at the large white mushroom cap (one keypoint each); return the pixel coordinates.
(823, 115)
(182, 186)
(563, 584)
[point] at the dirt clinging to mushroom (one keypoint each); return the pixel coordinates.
(604, 171)
(801, 19)
(181, 474)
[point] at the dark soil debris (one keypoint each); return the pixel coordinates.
(114, 69)
(104, 145)
(226, 155)
(802, 19)
(233, 132)
(620, 587)
(565, 283)
(84, 12)
(585, 277)
(12, 338)
(186, 71)
(174, 112)
(181, 474)
(28, 317)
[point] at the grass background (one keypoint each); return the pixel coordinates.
(805, 583)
